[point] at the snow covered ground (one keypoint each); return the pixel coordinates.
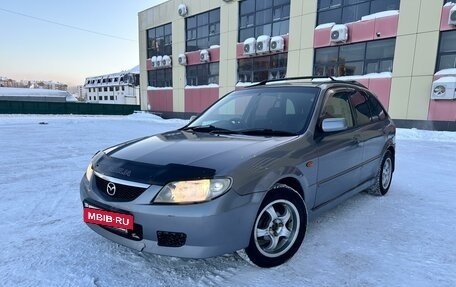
(406, 238)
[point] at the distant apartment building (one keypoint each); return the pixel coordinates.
(116, 88)
(32, 84)
(6, 82)
(193, 52)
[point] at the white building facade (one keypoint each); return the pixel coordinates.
(118, 88)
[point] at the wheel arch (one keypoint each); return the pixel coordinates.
(294, 184)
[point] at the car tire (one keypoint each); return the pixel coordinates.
(384, 176)
(279, 228)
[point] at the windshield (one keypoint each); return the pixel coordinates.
(280, 111)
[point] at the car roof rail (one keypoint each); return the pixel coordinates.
(331, 79)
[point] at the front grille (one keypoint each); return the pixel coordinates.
(122, 192)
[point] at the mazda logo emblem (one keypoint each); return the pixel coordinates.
(111, 189)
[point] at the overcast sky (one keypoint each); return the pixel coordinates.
(36, 49)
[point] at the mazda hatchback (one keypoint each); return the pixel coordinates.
(247, 174)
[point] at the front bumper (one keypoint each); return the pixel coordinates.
(213, 228)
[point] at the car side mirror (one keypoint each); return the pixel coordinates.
(334, 125)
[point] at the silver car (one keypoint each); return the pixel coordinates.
(247, 174)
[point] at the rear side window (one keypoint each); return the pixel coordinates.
(378, 113)
(362, 112)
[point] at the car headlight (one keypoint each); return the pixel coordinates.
(89, 171)
(192, 191)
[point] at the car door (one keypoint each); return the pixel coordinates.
(370, 117)
(340, 153)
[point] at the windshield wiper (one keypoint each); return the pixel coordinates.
(266, 132)
(208, 129)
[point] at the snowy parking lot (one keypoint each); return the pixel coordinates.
(406, 238)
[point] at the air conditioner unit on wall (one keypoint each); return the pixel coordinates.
(182, 10)
(444, 89)
(262, 44)
(277, 44)
(154, 61)
(182, 59)
(166, 61)
(250, 46)
(159, 61)
(452, 16)
(339, 33)
(204, 56)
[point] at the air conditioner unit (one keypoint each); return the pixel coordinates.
(250, 46)
(339, 33)
(159, 61)
(204, 56)
(277, 44)
(452, 16)
(182, 59)
(444, 89)
(182, 10)
(262, 44)
(154, 61)
(166, 61)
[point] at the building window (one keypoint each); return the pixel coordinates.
(263, 17)
(100, 98)
(160, 78)
(262, 68)
(203, 74)
(100, 89)
(446, 58)
(105, 89)
(355, 59)
(159, 41)
(345, 11)
(111, 98)
(203, 30)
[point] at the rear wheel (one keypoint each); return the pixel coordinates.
(279, 228)
(384, 175)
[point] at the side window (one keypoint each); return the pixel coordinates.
(378, 113)
(361, 110)
(337, 106)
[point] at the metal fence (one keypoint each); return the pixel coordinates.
(21, 107)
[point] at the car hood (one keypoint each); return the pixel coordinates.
(182, 155)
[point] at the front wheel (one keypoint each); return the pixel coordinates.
(279, 228)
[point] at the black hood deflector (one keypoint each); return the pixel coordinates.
(149, 173)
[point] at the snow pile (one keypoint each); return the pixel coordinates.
(150, 88)
(145, 116)
(449, 4)
(202, 86)
(245, 84)
(33, 92)
(446, 72)
(380, 15)
(325, 26)
(424, 135)
(367, 76)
